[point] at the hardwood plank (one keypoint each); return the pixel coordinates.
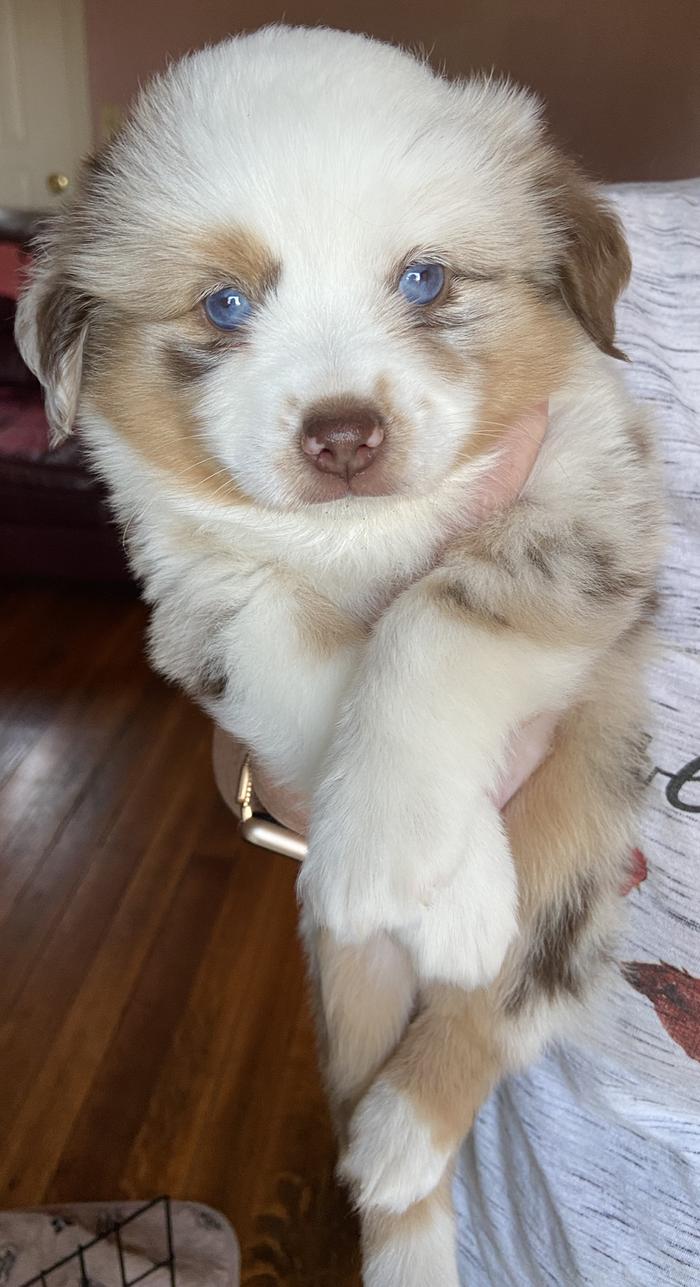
(122, 1086)
(59, 654)
(154, 1029)
(127, 793)
(58, 1087)
(41, 792)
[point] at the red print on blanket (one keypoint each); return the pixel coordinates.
(636, 873)
(675, 995)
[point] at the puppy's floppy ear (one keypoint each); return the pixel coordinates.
(50, 329)
(594, 265)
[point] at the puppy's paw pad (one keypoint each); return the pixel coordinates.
(392, 1160)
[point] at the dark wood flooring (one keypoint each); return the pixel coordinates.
(154, 1030)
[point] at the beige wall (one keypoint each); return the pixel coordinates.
(621, 77)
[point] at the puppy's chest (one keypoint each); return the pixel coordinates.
(358, 569)
(360, 588)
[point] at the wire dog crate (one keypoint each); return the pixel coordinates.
(111, 1235)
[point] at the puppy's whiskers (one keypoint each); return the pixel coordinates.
(514, 427)
(141, 511)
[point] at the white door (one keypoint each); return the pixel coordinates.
(44, 104)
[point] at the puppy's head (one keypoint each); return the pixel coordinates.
(309, 268)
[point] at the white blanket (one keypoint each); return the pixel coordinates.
(586, 1170)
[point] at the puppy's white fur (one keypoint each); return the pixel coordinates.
(392, 1159)
(319, 163)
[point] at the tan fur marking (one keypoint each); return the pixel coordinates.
(441, 354)
(576, 795)
(128, 382)
(523, 358)
(324, 628)
(381, 1229)
(448, 1060)
(366, 996)
(237, 255)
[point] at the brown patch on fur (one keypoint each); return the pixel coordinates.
(188, 362)
(61, 322)
(238, 256)
(62, 318)
(165, 275)
(595, 264)
(324, 627)
(440, 352)
(204, 679)
(550, 966)
(538, 555)
(609, 580)
(651, 605)
(458, 600)
(211, 682)
(633, 767)
(641, 441)
(521, 349)
(129, 383)
(568, 821)
(559, 587)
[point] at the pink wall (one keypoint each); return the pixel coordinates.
(619, 76)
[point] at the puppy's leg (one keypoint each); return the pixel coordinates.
(364, 998)
(415, 1249)
(572, 828)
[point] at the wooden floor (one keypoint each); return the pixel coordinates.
(154, 1031)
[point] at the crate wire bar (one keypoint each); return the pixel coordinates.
(77, 1257)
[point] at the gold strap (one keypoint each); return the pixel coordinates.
(261, 831)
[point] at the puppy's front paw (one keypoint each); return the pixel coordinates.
(392, 1160)
(463, 934)
(348, 888)
(367, 860)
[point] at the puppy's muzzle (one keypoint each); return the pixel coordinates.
(343, 444)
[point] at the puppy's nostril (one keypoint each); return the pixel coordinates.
(343, 444)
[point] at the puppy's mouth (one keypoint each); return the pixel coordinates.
(319, 489)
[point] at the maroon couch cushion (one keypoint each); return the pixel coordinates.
(53, 515)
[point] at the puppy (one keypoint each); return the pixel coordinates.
(295, 306)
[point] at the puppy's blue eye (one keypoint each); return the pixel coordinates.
(422, 283)
(228, 309)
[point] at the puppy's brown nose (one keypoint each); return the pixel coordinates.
(345, 443)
